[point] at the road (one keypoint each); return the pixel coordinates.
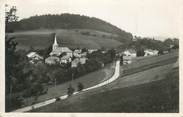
(44, 103)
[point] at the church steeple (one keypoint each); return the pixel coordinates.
(55, 44)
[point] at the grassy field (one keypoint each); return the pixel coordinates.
(143, 63)
(40, 39)
(152, 90)
(88, 80)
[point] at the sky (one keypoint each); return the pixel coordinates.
(147, 18)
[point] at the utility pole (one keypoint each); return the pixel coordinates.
(55, 82)
(72, 78)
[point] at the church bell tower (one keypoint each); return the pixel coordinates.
(55, 44)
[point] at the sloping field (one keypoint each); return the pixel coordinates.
(155, 94)
(144, 63)
(40, 39)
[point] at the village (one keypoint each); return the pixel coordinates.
(64, 55)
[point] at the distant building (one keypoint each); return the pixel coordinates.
(83, 54)
(77, 53)
(65, 59)
(77, 61)
(127, 60)
(130, 53)
(83, 60)
(165, 52)
(34, 57)
(52, 60)
(150, 52)
(91, 50)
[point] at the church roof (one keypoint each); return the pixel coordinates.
(52, 60)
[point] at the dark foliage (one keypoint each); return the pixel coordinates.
(80, 86)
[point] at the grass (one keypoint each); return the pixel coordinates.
(40, 39)
(157, 96)
(143, 63)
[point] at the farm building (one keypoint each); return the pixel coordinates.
(65, 59)
(34, 57)
(149, 52)
(130, 53)
(127, 60)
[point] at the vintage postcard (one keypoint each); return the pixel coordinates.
(91, 58)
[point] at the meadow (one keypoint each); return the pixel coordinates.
(72, 38)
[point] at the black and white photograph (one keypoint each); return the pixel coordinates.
(91, 56)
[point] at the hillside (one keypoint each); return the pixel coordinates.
(73, 38)
(68, 21)
(145, 90)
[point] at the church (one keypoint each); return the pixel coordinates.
(58, 50)
(59, 54)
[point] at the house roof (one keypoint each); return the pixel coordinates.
(31, 54)
(52, 58)
(65, 57)
(130, 50)
(150, 50)
(34, 54)
(60, 50)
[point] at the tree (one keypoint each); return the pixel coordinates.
(80, 86)
(70, 90)
(140, 52)
(10, 63)
(10, 17)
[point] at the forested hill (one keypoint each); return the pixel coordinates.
(67, 21)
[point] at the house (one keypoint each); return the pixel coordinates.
(34, 57)
(65, 59)
(150, 52)
(91, 50)
(83, 54)
(165, 52)
(83, 60)
(127, 60)
(57, 50)
(130, 53)
(77, 53)
(52, 60)
(75, 62)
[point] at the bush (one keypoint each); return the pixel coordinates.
(80, 86)
(70, 90)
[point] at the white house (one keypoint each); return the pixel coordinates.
(75, 62)
(150, 52)
(77, 53)
(127, 60)
(130, 52)
(83, 60)
(91, 50)
(65, 59)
